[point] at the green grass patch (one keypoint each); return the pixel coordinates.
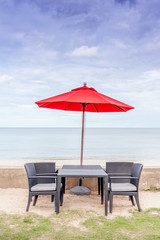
(153, 189)
(81, 225)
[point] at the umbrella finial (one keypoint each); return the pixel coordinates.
(85, 84)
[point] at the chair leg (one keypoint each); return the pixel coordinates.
(99, 186)
(137, 201)
(132, 200)
(52, 198)
(111, 202)
(35, 200)
(108, 195)
(29, 201)
(56, 203)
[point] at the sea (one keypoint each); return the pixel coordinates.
(108, 144)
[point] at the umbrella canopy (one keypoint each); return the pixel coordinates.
(77, 98)
(84, 99)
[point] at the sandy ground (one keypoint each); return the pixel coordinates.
(13, 201)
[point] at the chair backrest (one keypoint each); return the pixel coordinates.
(136, 172)
(45, 167)
(119, 167)
(31, 171)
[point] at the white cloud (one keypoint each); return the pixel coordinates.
(121, 44)
(23, 106)
(5, 78)
(85, 51)
(30, 71)
(122, 26)
(38, 81)
(153, 74)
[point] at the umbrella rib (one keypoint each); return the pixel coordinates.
(119, 107)
(45, 104)
(68, 106)
(95, 107)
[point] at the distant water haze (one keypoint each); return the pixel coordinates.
(126, 144)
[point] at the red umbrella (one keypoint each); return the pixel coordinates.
(84, 99)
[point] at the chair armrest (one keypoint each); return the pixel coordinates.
(123, 177)
(46, 174)
(118, 174)
(42, 177)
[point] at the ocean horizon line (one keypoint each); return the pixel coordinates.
(85, 127)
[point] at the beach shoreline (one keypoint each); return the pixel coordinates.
(61, 162)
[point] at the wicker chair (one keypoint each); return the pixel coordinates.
(126, 185)
(41, 183)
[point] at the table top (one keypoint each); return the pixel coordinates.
(82, 167)
(82, 171)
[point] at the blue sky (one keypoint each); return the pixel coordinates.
(48, 47)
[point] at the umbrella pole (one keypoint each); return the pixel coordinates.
(82, 137)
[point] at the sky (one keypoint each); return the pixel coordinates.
(48, 47)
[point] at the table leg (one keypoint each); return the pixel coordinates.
(101, 190)
(106, 194)
(99, 185)
(80, 182)
(63, 184)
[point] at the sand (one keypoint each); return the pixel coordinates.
(14, 200)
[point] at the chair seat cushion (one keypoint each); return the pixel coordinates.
(41, 187)
(123, 187)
